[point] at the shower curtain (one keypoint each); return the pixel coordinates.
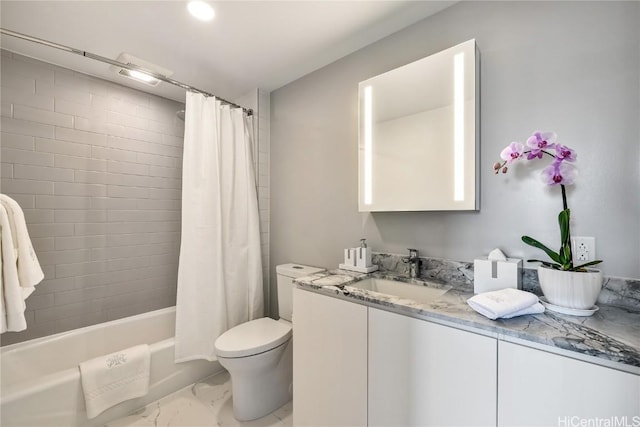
(220, 267)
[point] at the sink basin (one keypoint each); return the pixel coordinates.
(418, 293)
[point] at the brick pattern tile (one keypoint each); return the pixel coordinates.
(96, 168)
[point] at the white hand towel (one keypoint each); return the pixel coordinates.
(505, 303)
(114, 378)
(29, 270)
(536, 308)
(11, 299)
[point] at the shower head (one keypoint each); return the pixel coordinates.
(180, 114)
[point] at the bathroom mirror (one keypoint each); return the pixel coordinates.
(419, 134)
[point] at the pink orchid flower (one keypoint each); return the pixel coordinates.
(513, 152)
(565, 153)
(540, 141)
(559, 173)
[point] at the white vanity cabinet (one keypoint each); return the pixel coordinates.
(329, 361)
(355, 365)
(425, 374)
(544, 389)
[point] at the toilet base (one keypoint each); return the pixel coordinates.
(261, 383)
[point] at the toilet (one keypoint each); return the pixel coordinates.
(259, 354)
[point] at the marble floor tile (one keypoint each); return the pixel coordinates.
(203, 404)
(285, 414)
(213, 391)
(177, 409)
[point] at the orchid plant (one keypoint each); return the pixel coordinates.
(561, 172)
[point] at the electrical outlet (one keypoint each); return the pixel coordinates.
(583, 248)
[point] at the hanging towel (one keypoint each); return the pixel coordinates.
(29, 270)
(505, 303)
(11, 298)
(114, 378)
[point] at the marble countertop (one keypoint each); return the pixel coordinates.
(611, 337)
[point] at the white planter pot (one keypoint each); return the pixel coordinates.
(570, 289)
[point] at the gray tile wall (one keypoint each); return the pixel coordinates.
(96, 167)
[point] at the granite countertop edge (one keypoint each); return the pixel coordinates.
(610, 338)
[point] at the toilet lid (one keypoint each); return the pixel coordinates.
(256, 336)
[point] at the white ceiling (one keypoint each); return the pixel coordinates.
(248, 45)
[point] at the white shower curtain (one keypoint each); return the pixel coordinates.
(220, 268)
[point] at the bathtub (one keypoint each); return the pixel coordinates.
(40, 379)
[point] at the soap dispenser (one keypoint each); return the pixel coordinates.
(358, 259)
(363, 259)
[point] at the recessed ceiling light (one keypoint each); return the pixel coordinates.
(201, 10)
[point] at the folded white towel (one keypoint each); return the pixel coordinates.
(536, 308)
(29, 270)
(505, 303)
(114, 378)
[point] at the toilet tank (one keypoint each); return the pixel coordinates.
(285, 274)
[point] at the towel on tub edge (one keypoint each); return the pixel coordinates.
(114, 378)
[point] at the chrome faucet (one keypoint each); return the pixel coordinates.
(414, 263)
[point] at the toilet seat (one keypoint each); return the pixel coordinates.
(254, 337)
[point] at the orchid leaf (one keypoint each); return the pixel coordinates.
(565, 240)
(565, 255)
(587, 264)
(563, 220)
(533, 242)
(546, 263)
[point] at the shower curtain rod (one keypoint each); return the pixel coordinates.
(118, 64)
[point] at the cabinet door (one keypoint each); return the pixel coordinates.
(329, 361)
(545, 389)
(424, 374)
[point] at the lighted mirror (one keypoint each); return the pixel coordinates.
(419, 134)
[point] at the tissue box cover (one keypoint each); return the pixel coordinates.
(495, 275)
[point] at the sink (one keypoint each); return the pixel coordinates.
(418, 293)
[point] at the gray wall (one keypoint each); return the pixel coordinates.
(571, 67)
(96, 167)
